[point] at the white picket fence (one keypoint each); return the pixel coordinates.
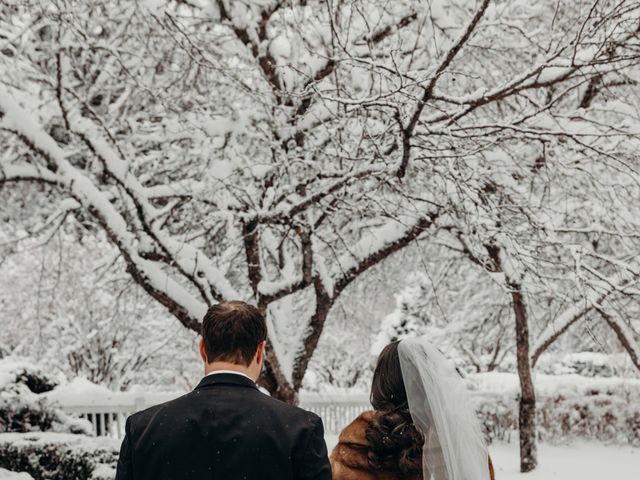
(108, 415)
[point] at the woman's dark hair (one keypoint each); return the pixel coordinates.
(395, 443)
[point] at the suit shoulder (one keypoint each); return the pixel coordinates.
(291, 411)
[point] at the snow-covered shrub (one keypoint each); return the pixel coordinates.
(590, 364)
(587, 364)
(632, 426)
(23, 405)
(45, 462)
(606, 416)
(36, 445)
(498, 417)
(51, 456)
(568, 407)
(16, 371)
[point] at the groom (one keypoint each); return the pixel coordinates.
(226, 429)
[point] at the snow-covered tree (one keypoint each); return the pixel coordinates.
(79, 314)
(460, 312)
(277, 150)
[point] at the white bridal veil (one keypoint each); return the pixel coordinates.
(439, 405)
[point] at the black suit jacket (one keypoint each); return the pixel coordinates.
(226, 429)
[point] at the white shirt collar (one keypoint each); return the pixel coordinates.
(233, 372)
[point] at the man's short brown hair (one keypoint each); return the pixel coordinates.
(232, 332)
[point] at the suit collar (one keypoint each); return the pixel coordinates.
(226, 379)
(233, 372)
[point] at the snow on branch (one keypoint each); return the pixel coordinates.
(407, 132)
(191, 262)
(287, 212)
(26, 173)
(593, 300)
(626, 336)
(290, 279)
(377, 246)
(149, 275)
(552, 70)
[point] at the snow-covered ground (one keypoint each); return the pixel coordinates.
(7, 475)
(580, 461)
(584, 461)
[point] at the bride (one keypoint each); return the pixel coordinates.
(422, 428)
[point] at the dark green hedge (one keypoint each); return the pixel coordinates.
(22, 418)
(54, 461)
(49, 462)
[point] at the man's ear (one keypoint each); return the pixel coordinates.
(260, 353)
(203, 351)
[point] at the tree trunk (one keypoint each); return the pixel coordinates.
(316, 326)
(281, 390)
(527, 410)
(271, 377)
(527, 405)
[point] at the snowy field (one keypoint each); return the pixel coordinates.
(581, 461)
(7, 475)
(575, 462)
